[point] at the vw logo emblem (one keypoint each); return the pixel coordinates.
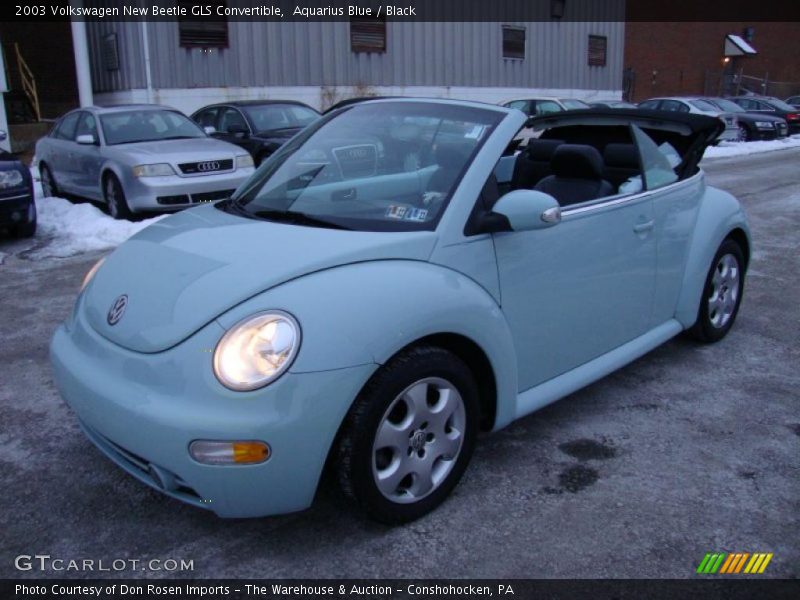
(212, 165)
(117, 310)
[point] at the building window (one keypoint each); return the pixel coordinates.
(513, 42)
(110, 52)
(199, 32)
(597, 50)
(368, 35)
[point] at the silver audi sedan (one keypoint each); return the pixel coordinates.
(138, 158)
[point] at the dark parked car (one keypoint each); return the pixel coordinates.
(258, 126)
(753, 125)
(771, 106)
(17, 208)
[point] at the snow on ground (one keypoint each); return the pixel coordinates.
(67, 229)
(726, 149)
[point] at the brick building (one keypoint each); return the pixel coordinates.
(687, 58)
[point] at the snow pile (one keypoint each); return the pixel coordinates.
(70, 229)
(726, 149)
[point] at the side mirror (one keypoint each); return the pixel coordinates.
(3, 135)
(209, 129)
(86, 139)
(240, 131)
(524, 210)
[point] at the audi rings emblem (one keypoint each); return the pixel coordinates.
(117, 310)
(212, 165)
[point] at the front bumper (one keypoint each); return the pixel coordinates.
(174, 192)
(143, 411)
(15, 207)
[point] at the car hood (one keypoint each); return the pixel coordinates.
(176, 151)
(184, 271)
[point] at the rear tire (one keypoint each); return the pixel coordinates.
(722, 294)
(49, 187)
(115, 198)
(409, 436)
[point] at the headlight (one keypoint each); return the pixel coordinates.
(244, 161)
(158, 170)
(257, 350)
(90, 275)
(764, 124)
(10, 179)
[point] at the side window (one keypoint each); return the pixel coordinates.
(674, 106)
(207, 118)
(232, 119)
(764, 106)
(87, 125)
(66, 129)
(658, 170)
(649, 104)
(519, 105)
(547, 107)
(748, 104)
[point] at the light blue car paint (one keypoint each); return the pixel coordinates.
(145, 389)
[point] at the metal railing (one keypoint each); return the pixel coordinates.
(28, 83)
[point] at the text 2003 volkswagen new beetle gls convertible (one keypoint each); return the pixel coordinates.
(394, 279)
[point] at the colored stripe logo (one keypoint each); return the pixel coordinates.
(734, 563)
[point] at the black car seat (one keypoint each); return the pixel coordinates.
(451, 159)
(621, 163)
(533, 163)
(577, 175)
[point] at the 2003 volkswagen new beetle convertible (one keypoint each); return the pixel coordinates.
(395, 279)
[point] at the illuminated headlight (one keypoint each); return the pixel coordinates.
(244, 161)
(256, 351)
(90, 275)
(764, 124)
(157, 170)
(10, 179)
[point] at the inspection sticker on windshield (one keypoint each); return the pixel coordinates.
(406, 213)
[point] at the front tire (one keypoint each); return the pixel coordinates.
(49, 187)
(722, 294)
(744, 134)
(115, 198)
(409, 436)
(28, 230)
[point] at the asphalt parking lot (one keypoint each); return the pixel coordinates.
(691, 449)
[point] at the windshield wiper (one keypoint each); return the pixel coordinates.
(295, 218)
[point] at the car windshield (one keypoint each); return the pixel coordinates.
(386, 166)
(269, 117)
(704, 105)
(570, 103)
(728, 105)
(780, 104)
(147, 126)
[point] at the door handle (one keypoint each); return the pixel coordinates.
(644, 227)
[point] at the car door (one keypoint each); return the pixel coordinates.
(62, 145)
(579, 289)
(86, 160)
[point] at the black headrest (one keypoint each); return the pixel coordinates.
(538, 149)
(621, 155)
(577, 161)
(452, 155)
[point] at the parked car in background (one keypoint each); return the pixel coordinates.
(794, 101)
(17, 207)
(612, 104)
(543, 105)
(753, 125)
(258, 126)
(697, 106)
(771, 106)
(138, 158)
(352, 309)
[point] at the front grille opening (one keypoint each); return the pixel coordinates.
(177, 199)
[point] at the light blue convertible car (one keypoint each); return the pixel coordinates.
(395, 279)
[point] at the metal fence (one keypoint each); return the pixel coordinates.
(735, 83)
